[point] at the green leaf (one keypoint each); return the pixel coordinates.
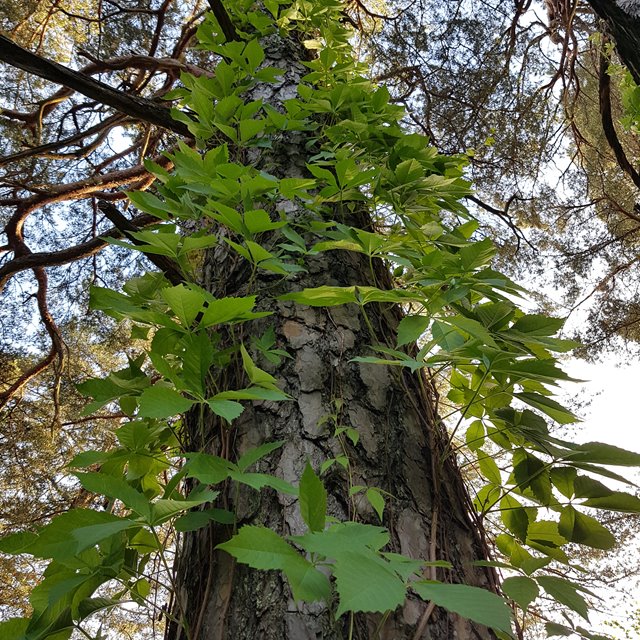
(89, 606)
(107, 485)
(563, 479)
(56, 540)
(538, 325)
(307, 583)
(87, 537)
(615, 501)
(552, 408)
(478, 605)
(566, 593)
(475, 435)
(313, 499)
(324, 296)
(198, 519)
(256, 375)
(162, 402)
(163, 509)
(250, 128)
(489, 469)
(473, 328)
(149, 203)
(521, 590)
(14, 628)
(207, 468)
(554, 629)
(411, 328)
(364, 583)
(184, 302)
(259, 480)
(230, 310)
(376, 500)
(545, 532)
(600, 453)
(260, 548)
(343, 537)
(252, 393)
(227, 409)
(583, 529)
(514, 516)
(253, 455)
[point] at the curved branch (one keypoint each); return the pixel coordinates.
(134, 106)
(54, 357)
(607, 122)
(223, 19)
(65, 256)
(42, 149)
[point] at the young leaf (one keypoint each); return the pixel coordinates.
(227, 409)
(313, 499)
(376, 500)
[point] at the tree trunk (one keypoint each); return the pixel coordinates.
(625, 29)
(401, 448)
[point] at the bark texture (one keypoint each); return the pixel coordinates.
(401, 447)
(625, 29)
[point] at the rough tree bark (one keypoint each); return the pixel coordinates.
(401, 450)
(625, 29)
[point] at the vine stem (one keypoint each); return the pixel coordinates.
(462, 414)
(173, 584)
(424, 620)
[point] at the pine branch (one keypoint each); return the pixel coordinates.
(134, 106)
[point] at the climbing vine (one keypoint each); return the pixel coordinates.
(461, 326)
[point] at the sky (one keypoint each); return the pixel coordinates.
(607, 403)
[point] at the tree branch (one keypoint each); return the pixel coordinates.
(134, 106)
(223, 19)
(65, 256)
(169, 267)
(607, 122)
